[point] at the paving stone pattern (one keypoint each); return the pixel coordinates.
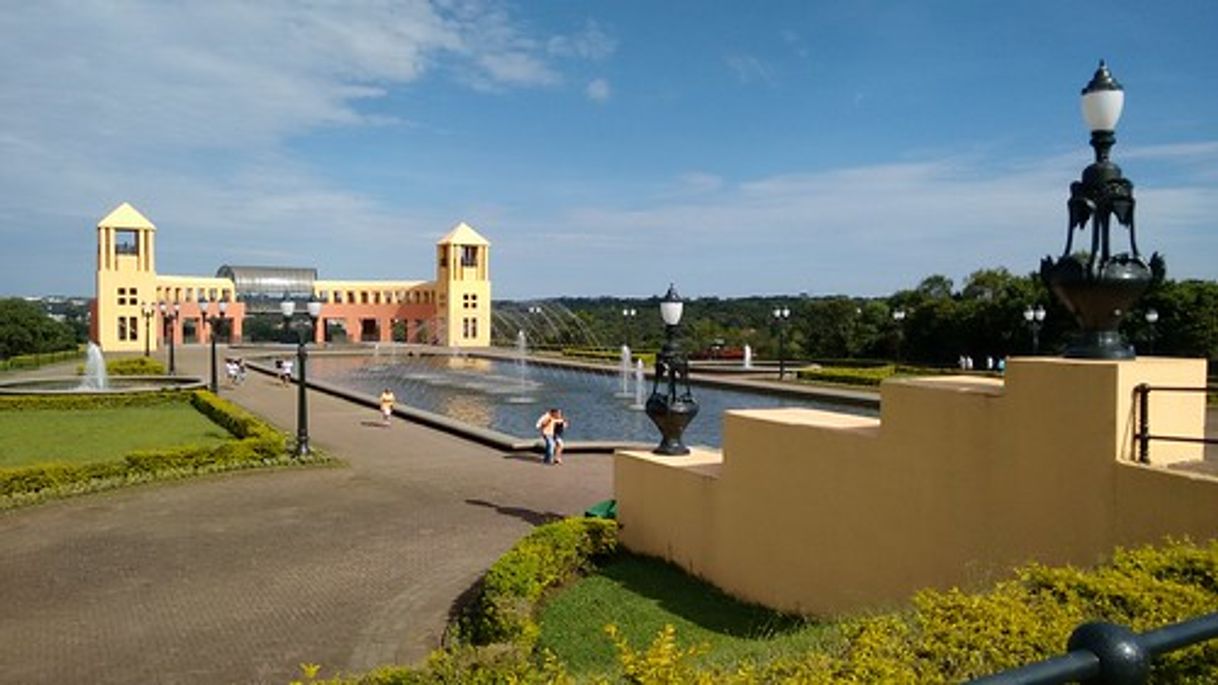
(238, 578)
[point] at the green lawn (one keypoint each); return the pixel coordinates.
(85, 435)
(640, 595)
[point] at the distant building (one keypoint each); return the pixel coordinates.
(454, 309)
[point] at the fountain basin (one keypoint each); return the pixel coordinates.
(73, 385)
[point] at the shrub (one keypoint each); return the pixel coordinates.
(135, 366)
(868, 375)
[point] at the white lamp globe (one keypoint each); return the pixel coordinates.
(314, 307)
(1103, 100)
(671, 307)
(287, 308)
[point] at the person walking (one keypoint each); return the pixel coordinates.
(560, 425)
(387, 401)
(545, 425)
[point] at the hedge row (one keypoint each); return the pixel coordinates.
(71, 401)
(257, 444)
(648, 358)
(946, 637)
(131, 366)
(33, 361)
(870, 375)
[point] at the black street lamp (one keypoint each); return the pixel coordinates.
(1152, 318)
(628, 319)
(898, 318)
(168, 317)
(1035, 318)
(1099, 286)
(669, 411)
(288, 309)
(147, 311)
(212, 322)
(781, 316)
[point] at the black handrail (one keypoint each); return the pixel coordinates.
(1143, 436)
(1108, 654)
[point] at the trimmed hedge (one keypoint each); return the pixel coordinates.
(33, 361)
(135, 366)
(869, 375)
(257, 444)
(131, 366)
(649, 358)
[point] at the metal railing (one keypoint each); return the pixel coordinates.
(1108, 654)
(1143, 436)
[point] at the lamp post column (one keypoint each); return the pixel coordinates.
(628, 318)
(1152, 317)
(288, 309)
(146, 311)
(898, 316)
(1035, 319)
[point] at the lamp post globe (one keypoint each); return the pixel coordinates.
(1152, 318)
(670, 408)
(1099, 284)
(781, 316)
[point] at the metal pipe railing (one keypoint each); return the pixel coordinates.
(1144, 436)
(1108, 654)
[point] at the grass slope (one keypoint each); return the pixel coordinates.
(640, 595)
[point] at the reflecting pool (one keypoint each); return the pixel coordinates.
(508, 396)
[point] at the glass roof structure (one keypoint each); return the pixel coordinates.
(263, 287)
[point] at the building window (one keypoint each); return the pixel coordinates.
(469, 255)
(128, 296)
(469, 301)
(127, 330)
(469, 328)
(126, 242)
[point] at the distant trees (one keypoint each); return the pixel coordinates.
(983, 317)
(25, 329)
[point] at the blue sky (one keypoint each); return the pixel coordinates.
(603, 147)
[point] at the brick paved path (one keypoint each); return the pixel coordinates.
(238, 578)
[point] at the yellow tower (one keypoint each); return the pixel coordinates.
(463, 288)
(126, 280)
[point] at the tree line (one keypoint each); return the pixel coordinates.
(983, 317)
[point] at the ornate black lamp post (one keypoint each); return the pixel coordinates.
(781, 316)
(1098, 286)
(168, 316)
(628, 318)
(147, 311)
(669, 411)
(1152, 318)
(1035, 318)
(898, 318)
(212, 322)
(288, 309)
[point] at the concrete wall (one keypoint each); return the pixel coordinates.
(960, 479)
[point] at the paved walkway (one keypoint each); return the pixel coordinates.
(238, 578)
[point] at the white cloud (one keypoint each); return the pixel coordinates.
(863, 230)
(593, 43)
(749, 69)
(598, 90)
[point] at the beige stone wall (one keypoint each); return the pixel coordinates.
(959, 480)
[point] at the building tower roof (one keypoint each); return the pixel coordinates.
(125, 216)
(463, 234)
